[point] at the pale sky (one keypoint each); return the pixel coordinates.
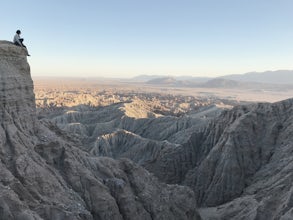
(125, 38)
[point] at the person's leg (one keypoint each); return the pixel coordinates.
(21, 40)
(17, 44)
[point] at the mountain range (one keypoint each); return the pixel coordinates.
(270, 77)
(277, 79)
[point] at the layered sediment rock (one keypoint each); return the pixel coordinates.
(252, 158)
(45, 174)
(239, 164)
(16, 86)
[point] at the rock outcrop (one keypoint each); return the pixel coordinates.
(240, 163)
(45, 174)
(250, 159)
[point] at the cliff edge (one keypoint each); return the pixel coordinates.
(17, 97)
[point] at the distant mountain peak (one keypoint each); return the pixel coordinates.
(163, 80)
(270, 77)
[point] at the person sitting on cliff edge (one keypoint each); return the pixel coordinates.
(18, 41)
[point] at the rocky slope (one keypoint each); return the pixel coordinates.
(45, 174)
(238, 163)
(252, 159)
(241, 161)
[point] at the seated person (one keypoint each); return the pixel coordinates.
(18, 41)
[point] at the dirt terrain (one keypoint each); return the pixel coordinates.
(75, 91)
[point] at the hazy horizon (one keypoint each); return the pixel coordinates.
(150, 75)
